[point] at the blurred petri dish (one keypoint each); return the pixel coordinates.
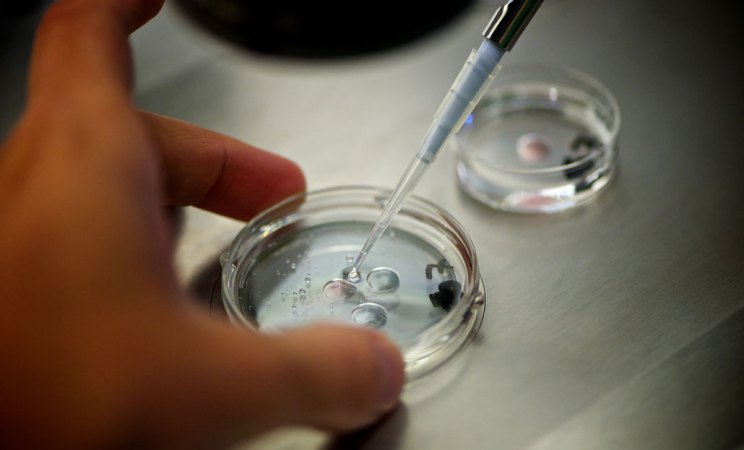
(542, 139)
(286, 269)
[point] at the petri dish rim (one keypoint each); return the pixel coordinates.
(441, 341)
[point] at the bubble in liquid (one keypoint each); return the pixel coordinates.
(339, 289)
(349, 259)
(308, 281)
(293, 266)
(383, 279)
(369, 315)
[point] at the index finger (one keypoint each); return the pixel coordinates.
(81, 45)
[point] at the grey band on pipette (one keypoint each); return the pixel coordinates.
(509, 21)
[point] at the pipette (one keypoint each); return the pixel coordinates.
(500, 35)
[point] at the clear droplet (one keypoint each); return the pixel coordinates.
(383, 280)
(369, 315)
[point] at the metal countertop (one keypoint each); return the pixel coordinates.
(616, 325)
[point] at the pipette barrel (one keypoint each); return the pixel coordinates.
(466, 91)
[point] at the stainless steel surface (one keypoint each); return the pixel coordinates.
(509, 21)
(615, 325)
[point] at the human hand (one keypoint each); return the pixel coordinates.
(100, 346)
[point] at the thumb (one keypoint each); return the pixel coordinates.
(340, 377)
(239, 383)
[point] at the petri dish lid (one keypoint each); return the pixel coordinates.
(420, 285)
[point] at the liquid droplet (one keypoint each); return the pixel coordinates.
(369, 315)
(352, 274)
(383, 279)
(339, 290)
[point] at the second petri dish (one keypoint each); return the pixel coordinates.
(542, 139)
(420, 285)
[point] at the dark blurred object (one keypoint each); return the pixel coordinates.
(14, 8)
(321, 29)
(18, 22)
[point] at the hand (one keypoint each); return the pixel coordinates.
(100, 348)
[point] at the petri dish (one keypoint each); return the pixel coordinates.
(542, 139)
(420, 285)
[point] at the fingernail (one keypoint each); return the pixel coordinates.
(392, 374)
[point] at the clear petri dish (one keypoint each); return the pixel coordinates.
(542, 139)
(420, 285)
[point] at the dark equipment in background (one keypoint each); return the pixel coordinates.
(321, 29)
